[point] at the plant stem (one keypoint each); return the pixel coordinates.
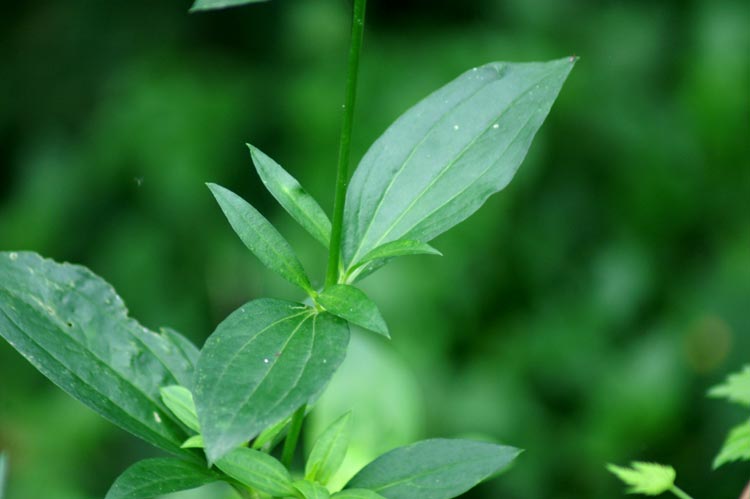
(342, 172)
(290, 443)
(679, 492)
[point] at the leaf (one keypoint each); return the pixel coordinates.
(220, 4)
(263, 362)
(357, 494)
(735, 389)
(186, 350)
(290, 194)
(3, 472)
(72, 326)
(402, 247)
(268, 437)
(179, 400)
(736, 447)
(353, 305)
(311, 490)
(194, 442)
(650, 479)
(433, 469)
(154, 477)
(441, 160)
(329, 451)
(257, 470)
(261, 237)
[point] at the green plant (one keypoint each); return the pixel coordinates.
(223, 411)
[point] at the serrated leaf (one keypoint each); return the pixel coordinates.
(353, 305)
(329, 451)
(402, 247)
(155, 477)
(72, 326)
(311, 490)
(292, 197)
(179, 400)
(220, 4)
(3, 472)
(357, 494)
(736, 446)
(263, 362)
(194, 442)
(441, 160)
(257, 470)
(261, 237)
(651, 479)
(433, 469)
(735, 389)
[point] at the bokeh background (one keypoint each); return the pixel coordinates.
(581, 314)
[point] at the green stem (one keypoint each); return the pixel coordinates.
(679, 492)
(290, 443)
(342, 172)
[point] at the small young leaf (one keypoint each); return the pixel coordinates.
(261, 237)
(266, 439)
(650, 479)
(311, 490)
(735, 389)
(194, 442)
(263, 362)
(220, 4)
(402, 247)
(329, 451)
(179, 400)
(155, 477)
(352, 304)
(736, 447)
(3, 472)
(290, 194)
(357, 494)
(257, 470)
(433, 469)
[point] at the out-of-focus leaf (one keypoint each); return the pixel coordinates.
(735, 389)
(3, 472)
(290, 194)
(220, 4)
(357, 494)
(441, 160)
(261, 237)
(266, 439)
(179, 400)
(355, 306)
(433, 469)
(258, 470)
(310, 490)
(329, 450)
(263, 362)
(155, 477)
(650, 479)
(194, 442)
(736, 447)
(73, 327)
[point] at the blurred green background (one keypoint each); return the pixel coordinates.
(581, 314)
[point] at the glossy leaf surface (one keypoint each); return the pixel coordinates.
(311, 490)
(179, 400)
(329, 451)
(290, 194)
(220, 4)
(258, 470)
(433, 469)
(355, 306)
(441, 160)
(154, 477)
(402, 247)
(263, 362)
(72, 326)
(261, 237)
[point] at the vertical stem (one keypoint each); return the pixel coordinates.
(290, 443)
(342, 173)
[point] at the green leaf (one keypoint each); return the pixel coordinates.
(402, 247)
(220, 4)
(257, 470)
(735, 389)
(441, 160)
(357, 494)
(736, 447)
(263, 362)
(329, 451)
(3, 472)
(433, 469)
(179, 400)
(194, 442)
(352, 304)
(154, 477)
(72, 326)
(311, 490)
(268, 437)
(290, 194)
(650, 479)
(186, 350)
(261, 237)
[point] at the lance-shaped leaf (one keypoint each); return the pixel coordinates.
(72, 326)
(290, 194)
(433, 469)
(329, 451)
(258, 470)
(263, 362)
(194, 442)
(402, 247)
(155, 477)
(220, 4)
(357, 494)
(261, 237)
(352, 304)
(179, 400)
(310, 490)
(736, 447)
(441, 160)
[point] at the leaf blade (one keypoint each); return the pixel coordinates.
(310, 490)
(645, 478)
(179, 400)
(356, 494)
(329, 451)
(735, 389)
(199, 5)
(257, 470)
(353, 305)
(736, 447)
(154, 477)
